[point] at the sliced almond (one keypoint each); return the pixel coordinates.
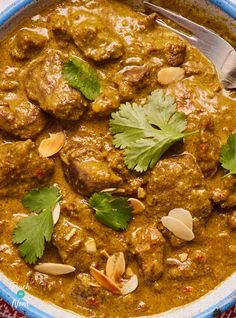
(50, 146)
(178, 228)
(183, 216)
(137, 205)
(90, 245)
(115, 266)
(54, 268)
(130, 285)
(56, 213)
(109, 190)
(169, 75)
(173, 261)
(104, 281)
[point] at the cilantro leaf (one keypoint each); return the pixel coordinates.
(228, 155)
(32, 231)
(39, 200)
(113, 212)
(83, 77)
(145, 133)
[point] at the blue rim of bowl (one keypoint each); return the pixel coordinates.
(32, 312)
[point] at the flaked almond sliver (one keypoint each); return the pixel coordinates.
(90, 245)
(178, 228)
(104, 281)
(130, 285)
(169, 75)
(54, 268)
(56, 213)
(183, 216)
(52, 145)
(137, 205)
(173, 261)
(115, 266)
(109, 190)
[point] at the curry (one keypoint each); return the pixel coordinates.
(132, 224)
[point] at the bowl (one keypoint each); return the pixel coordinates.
(221, 298)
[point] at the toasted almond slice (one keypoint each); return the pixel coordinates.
(169, 75)
(109, 190)
(50, 146)
(173, 261)
(56, 213)
(104, 281)
(183, 216)
(178, 228)
(90, 245)
(115, 266)
(130, 286)
(137, 205)
(54, 268)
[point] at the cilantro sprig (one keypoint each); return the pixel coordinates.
(113, 212)
(83, 77)
(145, 133)
(33, 231)
(228, 155)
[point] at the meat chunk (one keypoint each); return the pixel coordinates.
(45, 84)
(70, 237)
(147, 243)
(206, 145)
(59, 24)
(28, 41)
(88, 171)
(133, 78)
(193, 267)
(70, 241)
(21, 118)
(223, 190)
(22, 169)
(93, 37)
(178, 182)
(175, 54)
(91, 163)
(91, 176)
(9, 79)
(107, 102)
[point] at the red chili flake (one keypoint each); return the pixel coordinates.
(203, 147)
(39, 173)
(187, 289)
(92, 302)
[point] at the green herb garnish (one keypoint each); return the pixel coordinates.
(32, 231)
(228, 155)
(111, 211)
(147, 132)
(83, 77)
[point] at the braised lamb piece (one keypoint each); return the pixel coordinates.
(45, 84)
(22, 168)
